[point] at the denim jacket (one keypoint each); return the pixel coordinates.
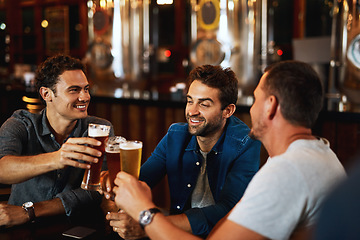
(231, 164)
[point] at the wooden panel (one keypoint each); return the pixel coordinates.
(347, 143)
(152, 130)
(117, 119)
(134, 122)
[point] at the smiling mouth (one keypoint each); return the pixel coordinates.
(81, 107)
(195, 121)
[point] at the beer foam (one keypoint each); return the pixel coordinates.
(108, 150)
(131, 145)
(99, 132)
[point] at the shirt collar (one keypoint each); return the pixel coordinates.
(45, 129)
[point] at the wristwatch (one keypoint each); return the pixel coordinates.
(147, 216)
(29, 208)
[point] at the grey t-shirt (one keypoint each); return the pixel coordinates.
(202, 196)
(285, 195)
(26, 133)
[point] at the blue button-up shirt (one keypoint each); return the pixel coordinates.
(26, 133)
(231, 164)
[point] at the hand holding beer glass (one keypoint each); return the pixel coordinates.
(91, 180)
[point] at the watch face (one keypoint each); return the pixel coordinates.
(146, 218)
(28, 204)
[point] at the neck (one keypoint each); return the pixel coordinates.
(60, 127)
(280, 140)
(208, 142)
(303, 134)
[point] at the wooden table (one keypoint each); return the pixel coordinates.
(52, 229)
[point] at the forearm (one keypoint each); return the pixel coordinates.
(162, 229)
(180, 221)
(15, 169)
(49, 208)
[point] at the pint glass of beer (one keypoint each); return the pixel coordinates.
(130, 155)
(112, 150)
(91, 180)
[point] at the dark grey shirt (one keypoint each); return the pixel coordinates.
(26, 134)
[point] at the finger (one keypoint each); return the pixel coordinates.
(112, 216)
(115, 189)
(116, 217)
(123, 177)
(75, 163)
(106, 195)
(105, 182)
(76, 157)
(80, 151)
(83, 141)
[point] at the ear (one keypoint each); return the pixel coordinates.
(46, 94)
(272, 106)
(229, 110)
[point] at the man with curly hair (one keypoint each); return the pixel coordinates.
(40, 153)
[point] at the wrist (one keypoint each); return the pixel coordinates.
(146, 216)
(30, 210)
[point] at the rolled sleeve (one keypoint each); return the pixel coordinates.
(77, 199)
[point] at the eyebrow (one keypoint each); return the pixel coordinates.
(201, 99)
(77, 86)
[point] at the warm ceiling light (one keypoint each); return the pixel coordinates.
(164, 2)
(44, 24)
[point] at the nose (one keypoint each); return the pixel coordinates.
(84, 96)
(192, 110)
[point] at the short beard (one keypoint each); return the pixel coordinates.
(257, 131)
(202, 132)
(252, 135)
(207, 129)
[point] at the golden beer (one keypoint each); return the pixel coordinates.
(91, 180)
(130, 155)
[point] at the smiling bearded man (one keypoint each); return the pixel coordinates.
(208, 161)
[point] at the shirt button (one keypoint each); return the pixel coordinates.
(52, 135)
(189, 185)
(197, 163)
(178, 207)
(59, 175)
(215, 153)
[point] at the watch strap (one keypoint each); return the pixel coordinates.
(30, 211)
(150, 215)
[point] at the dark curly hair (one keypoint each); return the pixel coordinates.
(216, 77)
(48, 72)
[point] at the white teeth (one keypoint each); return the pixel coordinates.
(82, 106)
(195, 121)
